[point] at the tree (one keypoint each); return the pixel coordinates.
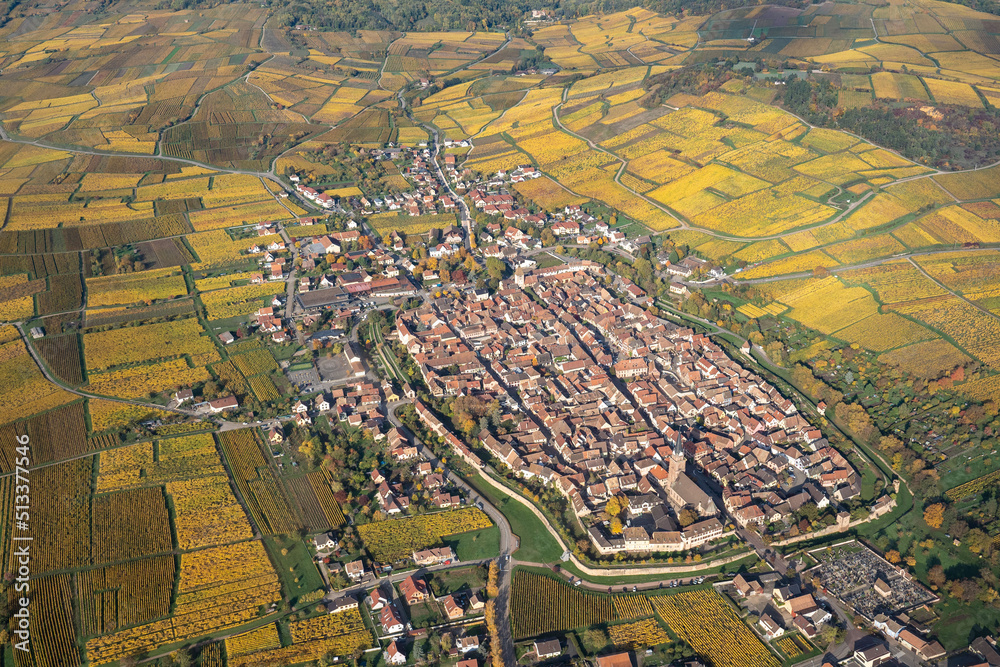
(616, 526)
(936, 576)
(495, 268)
(492, 588)
(934, 515)
(687, 517)
(595, 639)
(892, 556)
(979, 542)
(614, 506)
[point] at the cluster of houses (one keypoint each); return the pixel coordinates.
(429, 194)
(786, 607)
(268, 321)
(608, 401)
(357, 405)
(340, 288)
(313, 195)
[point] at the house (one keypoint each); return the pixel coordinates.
(223, 404)
(183, 396)
(354, 570)
(452, 609)
(770, 626)
(393, 654)
(476, 602)
(413, 589)
(434, 556)
(391, 623)
(986, 648)
(872, 656)
(37, 332)
(471, 662)
(547, 649)
(325, 542)
(800, 605)
(882, 587)
(466, 644)
(275, 435)
(342, 604)
(615, 660)
(745, 587)
(376, 599)
(226, 338)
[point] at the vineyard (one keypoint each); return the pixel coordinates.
(53, 638)
(57, 434)
(342, 634)
(62, 355)
(259, 639)
(129, 524)
(641, 634)
(205, 510)
(789, 646)
(242, 300)
(24, 391)
(127, 594)
(220, 587)
(151, 379)
(973, 487)
(269, 506)
(148, 463)
(248, 371)
(394, 539)
(705, 620)
(115, 347)
(153, 534)
(131, 288)
(301, 493)
(324, 494)
(541, 604)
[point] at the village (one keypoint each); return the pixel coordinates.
(618, 409)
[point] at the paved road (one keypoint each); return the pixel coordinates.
(59, 383)
(772, 557)
(291, 285)
(847, 267)
(436, 140)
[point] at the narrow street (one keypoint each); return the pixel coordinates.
(292, 284)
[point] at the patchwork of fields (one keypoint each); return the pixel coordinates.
(145, 148)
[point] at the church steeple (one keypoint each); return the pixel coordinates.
(678, 464)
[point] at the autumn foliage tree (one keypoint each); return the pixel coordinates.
(934, 515)
(492, 588)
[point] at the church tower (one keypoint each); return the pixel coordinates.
(678, 464)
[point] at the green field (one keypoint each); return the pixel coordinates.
(536, 543)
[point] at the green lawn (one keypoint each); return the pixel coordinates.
(741, 564)
(476, 544)
(423, 614)
(296, 564)
(449, 581)
(545, 260)
(536, 543)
